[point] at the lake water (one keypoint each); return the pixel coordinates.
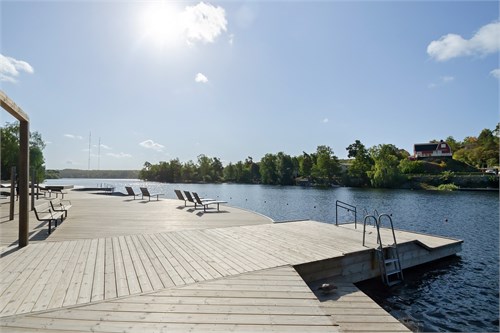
(458, 294)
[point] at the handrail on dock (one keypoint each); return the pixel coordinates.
(346, 206)
(364, 225)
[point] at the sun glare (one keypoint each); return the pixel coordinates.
(161, 24)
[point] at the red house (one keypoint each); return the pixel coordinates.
(439, 149)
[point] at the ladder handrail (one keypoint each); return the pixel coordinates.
(379, 221)
(395, 245)
(347, 207)
(364, 225)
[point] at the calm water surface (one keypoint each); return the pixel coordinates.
(458, 294)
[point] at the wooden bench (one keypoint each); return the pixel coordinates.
(59, 191)
(44, 213)
(59, 205)
(145, 193)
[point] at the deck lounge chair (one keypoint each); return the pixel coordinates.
(179, 195)
(189, 198)
(206, 203)
(130, 191)
(145, 193)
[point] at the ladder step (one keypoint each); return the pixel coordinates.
(390, 261)
(395, 271)
(391, 283)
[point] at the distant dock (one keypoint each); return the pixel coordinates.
(123, 265)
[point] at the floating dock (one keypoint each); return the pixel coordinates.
(122, 265)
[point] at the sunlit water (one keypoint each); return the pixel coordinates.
(456, 294)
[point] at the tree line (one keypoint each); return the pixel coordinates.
(383, 165)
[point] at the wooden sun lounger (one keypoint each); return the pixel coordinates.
(206, 203)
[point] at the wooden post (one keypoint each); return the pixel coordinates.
(12, 192)
(8, 105)
(33, 175)
(24, 134)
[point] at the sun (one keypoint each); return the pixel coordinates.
(161, 23)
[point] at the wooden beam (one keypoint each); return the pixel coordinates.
(12, 108)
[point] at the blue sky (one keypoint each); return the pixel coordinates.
(153, 81)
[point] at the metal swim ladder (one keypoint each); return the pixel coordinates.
(388, 258)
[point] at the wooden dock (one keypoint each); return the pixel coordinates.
(117, 265)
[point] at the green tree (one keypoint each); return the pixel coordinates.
(362, 163)
(189, 171)
(217, 169)
(253, 169)
(408, 166)
(268, 169)
(385, 171)
(284, 169)
(176, 170)
(9, 138)
(327, 164)
(305, 165)
(229, 173)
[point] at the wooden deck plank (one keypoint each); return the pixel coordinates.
(85, 293)
(184, 262)
(163, 279)
(142, 276)
(237, 255)
(26, 284)
(30, 301)
(156, 273)
(134, 286)
(120, 274)
(210, 253)
(208, 308)
(66, 276)
(163, 246)
(98, 281)
(197, 272)
(15, 270)
(258, 257)
(66, 325)
(186, 247)
(218, 250)
(109, 270)
(71, 297)
(49, 288)
(161, 263)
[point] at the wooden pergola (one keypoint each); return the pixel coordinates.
(23, 182)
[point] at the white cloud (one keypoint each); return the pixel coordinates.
(150, 144)
(200, 78)
(441, 82)
(485, 41)
(10, 68)
(105, 147)
(204, 22)
(495, 73)
(325, 120)
(74, 137)
(120, 155)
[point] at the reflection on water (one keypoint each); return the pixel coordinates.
(457, 294)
